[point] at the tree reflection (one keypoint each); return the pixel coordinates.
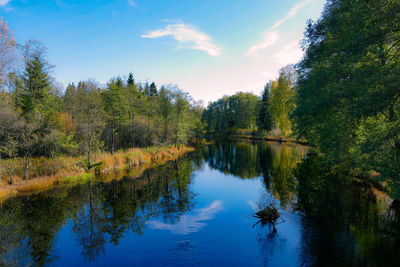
(101, 213)
(275, 163)
(239, 159)
(343, 224)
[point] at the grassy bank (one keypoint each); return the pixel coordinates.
(45, 173)
(280, 139)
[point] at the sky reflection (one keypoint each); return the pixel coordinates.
(190, 223)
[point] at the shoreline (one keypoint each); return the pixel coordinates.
(132, 162)
(280, 139)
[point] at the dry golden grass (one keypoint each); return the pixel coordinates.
(46, 173)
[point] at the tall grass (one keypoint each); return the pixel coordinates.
(44, 173)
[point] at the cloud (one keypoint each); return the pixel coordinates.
(186, 34)
(292, 13)
(289, 54)
(268, 39)
(190, 223)
(4, 2)
(132, 3)
(271, 37)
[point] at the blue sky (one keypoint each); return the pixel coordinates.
(209, 48)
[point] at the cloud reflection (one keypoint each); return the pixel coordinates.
(190, 223)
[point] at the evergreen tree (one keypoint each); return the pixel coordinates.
(153, 89)
(264, 117)
(131, 80)
(116, 106)
(36, 80)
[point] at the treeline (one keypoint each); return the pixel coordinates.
(343, 97)
(37, 119)
(269, 114)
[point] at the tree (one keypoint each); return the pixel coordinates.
(348, 93)
(10, 149)
(165, 111)
(115, 106)
(8, 55)
(282, 100)
(264, 121)
(131, 80)
(70, 98)
(134, 97)
(89, 118)
(36, 95)
(37, 104)
(181, 123)
(149, 107)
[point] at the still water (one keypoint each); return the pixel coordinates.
(198, 211)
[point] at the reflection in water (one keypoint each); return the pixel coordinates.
(325, 220)
(190, 223)
(354, 222)
(101, 213)
(272, 161)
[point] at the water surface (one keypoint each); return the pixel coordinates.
(198, 210)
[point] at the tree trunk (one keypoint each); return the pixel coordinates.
(112, 142)
(133, 130)
(26, 165)
(88, 152)
(148, 132)
(165, 130)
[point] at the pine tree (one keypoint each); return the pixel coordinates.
(153, 89)
(36, 85)
(131, 80)
(264, 117)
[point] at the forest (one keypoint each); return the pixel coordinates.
(343, 97)
(39, 120)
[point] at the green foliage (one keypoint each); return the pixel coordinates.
(264, 119)
(245, 112)
(36, 94)
(38, 121)
(230, 113)
(348, 93)
(282, 100)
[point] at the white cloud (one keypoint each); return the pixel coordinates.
(268, 39)
(132, 3)
(271, 37)
(189, 223)
(4, 2)
(292, 13)
(186, 34)
(289, 54)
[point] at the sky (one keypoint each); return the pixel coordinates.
(208, 48)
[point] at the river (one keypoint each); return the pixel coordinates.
(198, 211)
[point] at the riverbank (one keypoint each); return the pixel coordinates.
(46, 173)
(280, 139)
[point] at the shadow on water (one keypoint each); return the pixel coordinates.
(325, 220)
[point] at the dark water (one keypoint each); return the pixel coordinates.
(197, 211)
